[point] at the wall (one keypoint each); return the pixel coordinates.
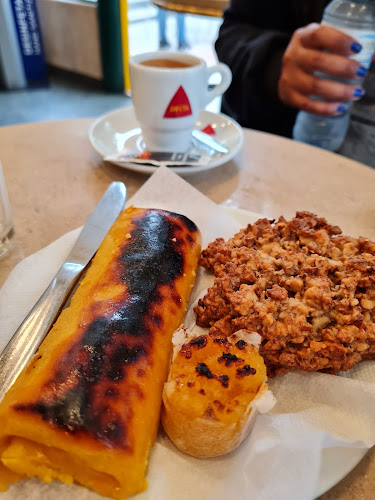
(71, 35)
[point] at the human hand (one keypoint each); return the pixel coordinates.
(305, 54)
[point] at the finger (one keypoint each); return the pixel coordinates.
(328, 38)
(316, 60)
(326, 89)
(305, 103)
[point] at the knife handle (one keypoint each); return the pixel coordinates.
(36, 325)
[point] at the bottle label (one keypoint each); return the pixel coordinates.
(366, 39)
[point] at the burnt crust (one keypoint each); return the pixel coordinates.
(91, 375)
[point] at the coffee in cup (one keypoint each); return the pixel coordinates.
(169, 90)
(165, 63)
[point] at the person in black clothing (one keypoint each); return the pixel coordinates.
(273, 48)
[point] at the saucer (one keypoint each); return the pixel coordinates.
(110, 133)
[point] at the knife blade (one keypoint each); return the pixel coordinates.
(37, 323)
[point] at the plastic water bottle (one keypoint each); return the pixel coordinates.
(357, 19)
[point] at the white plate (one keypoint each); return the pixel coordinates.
(110, 132)
(336, 462)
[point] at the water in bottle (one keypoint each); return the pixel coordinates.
(357, 19)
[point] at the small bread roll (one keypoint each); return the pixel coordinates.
(214, 389)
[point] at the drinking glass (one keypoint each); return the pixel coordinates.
(6, 222)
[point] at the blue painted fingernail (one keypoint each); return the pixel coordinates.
(358, 93)
(355, 47)
(361, 71)
(341, 108)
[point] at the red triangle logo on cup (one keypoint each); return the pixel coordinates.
(179, 105)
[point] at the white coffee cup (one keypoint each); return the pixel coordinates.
(167, 100)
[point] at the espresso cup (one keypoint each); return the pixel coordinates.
(169, 90)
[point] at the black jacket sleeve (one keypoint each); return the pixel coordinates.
(251, 41)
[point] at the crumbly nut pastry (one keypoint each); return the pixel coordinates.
(305, 288)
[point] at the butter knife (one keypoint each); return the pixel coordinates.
(37, 323)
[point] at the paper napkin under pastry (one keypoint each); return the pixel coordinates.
(282, 456)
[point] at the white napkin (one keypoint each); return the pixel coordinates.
(282, 456)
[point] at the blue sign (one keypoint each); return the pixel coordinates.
(30, 40)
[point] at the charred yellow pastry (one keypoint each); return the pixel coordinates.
(86, 408)
(215, 388)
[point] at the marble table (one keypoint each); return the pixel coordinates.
(55, 179)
